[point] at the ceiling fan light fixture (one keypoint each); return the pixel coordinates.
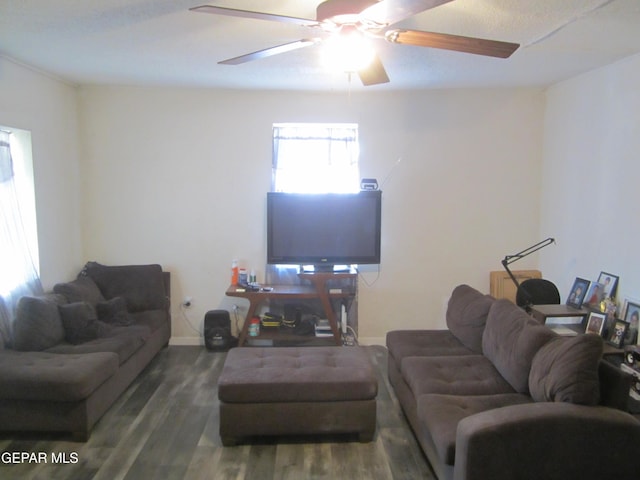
(349, 51)
(345, 11)
(350, 24)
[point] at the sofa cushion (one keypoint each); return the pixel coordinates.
(566, 370)
(123, 341)
(410, 343)
(114, 312)
(467, 314)
(81, 323)
(153, 319)
(142, 286)
(292, 374)
(82, 289)
(440, 414)
(43, 376)
(37, 325)
(511, 339)
(462, 375)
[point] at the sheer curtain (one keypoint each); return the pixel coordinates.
(18, 274)
(315, 158)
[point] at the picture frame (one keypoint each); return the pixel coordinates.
(610, 284)
(578, 292)
(595, 294)
(618, 332)
(595, 323)
(631, 315)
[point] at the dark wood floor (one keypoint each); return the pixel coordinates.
(165, 426)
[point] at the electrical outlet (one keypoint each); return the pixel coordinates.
(187, 302)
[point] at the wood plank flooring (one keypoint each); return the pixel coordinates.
(165, 426)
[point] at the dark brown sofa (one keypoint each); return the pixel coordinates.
(74, 351)
(499, 396)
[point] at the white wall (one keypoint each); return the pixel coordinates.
(591, 177)
(46, 107)
(179, 177)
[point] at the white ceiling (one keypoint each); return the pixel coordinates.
(162, 43)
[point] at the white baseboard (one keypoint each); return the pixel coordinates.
(186, 341)
(371, 341)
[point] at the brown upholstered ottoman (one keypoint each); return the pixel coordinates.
(297, 391)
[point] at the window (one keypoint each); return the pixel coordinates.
(18, 239)
(315, 158)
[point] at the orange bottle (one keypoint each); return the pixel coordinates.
(234, 272)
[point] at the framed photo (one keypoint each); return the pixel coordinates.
(631, 314)
(595, 323)
(578, 292)
(595, 294)
(609, 284)
(618, 332)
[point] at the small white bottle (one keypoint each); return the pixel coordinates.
(242, 276)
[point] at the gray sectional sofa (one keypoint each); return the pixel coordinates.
(75, 350)
(500, 396)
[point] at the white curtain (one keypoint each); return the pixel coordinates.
(18, 274)
(310, 158)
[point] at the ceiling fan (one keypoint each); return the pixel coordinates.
(365, 18)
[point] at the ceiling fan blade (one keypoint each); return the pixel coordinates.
(232, 12)
(374, 74)
(268, 52)
(388, 12)
(478, 46)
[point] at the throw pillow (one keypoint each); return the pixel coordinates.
(114, 312)
(511, 339)
(37, 325)
(82, 289)
(81, 323)
(566, 370)
(466, 316)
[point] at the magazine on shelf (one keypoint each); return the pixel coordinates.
(323, 328)
(633, 392)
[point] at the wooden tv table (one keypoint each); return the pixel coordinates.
(319, 289)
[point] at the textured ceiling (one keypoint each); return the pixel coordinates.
(162, 43)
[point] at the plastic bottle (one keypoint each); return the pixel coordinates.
(234, 272)
(243, 278)
(254, 327)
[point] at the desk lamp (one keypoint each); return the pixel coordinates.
(509, 259)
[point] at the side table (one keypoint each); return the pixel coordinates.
(542, 312)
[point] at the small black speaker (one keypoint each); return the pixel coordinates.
(217, 331)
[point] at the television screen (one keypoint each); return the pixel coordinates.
(324, 229)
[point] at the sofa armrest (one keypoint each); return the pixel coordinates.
(614, 385)
(547, 440)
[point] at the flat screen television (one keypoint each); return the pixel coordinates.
(323, 230)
